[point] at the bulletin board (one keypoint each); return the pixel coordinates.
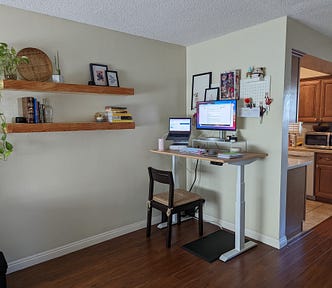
(255, 89)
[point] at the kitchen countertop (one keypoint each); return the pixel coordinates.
(302, 148)
(297, 163)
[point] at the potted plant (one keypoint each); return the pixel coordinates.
(6, 148)
(57, 77)
(9, 61)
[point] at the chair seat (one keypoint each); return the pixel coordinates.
(181, 197)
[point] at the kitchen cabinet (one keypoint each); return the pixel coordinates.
(326, 100)
(22, 85)
(323, 177)
(315, 100)
(309, 101)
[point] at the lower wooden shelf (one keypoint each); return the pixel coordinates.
(59, 127)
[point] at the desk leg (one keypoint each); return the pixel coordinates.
(240, 245)
(176, 185)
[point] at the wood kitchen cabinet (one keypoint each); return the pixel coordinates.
(315, 100)
(323, 177)
(326, 100)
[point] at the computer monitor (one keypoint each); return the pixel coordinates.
(217, 115)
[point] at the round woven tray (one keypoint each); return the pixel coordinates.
(39, 67)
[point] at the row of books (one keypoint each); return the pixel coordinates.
(118, 114)
(34, 111)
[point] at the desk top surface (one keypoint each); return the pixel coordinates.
(246, 157)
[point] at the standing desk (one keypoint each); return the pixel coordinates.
(247, 158)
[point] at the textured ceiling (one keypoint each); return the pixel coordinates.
(183, 22)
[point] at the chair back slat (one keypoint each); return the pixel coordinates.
(164, 177)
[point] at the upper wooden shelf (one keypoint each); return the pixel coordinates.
(63, 87)
(62, 126)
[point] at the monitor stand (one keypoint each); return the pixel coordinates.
(221, 138)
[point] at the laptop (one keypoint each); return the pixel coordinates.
(179, 129)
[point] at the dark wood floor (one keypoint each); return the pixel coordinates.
(134, 261)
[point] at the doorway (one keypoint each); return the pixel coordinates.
(314, 68)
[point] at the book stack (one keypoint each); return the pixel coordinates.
(118, 114)
(33, 110)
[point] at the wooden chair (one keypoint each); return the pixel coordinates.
(173, 201)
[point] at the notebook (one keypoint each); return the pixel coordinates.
(179, 129)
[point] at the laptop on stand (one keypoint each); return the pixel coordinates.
(179, 130)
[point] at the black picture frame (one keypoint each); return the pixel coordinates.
(98, 74)
(211, 94)
(200, 82)
(112, 78)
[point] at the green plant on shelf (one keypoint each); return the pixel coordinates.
(6, 148)
(9, 61)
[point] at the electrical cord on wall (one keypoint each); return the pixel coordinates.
(195, 177)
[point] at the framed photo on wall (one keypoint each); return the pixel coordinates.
(98, 74)
(211, 94)
(199, 83)
(112, 78)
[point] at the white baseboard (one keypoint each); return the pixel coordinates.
(249, 233)
(75, 246)
(78, 245)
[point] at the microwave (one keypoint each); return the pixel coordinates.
(320, 140)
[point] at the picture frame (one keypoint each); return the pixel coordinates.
(211, 94)
(98, 74)
(112, 78)
(230, 84)
(200, 82)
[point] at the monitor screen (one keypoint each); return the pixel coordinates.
(217, 115)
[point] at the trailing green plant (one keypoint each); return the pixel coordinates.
(9, 61)
(6, 148)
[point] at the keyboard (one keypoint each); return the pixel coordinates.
(192, 150)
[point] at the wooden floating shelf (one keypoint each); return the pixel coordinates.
(63, 87)
(60, 127)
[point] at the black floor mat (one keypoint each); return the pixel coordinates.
(210, 247)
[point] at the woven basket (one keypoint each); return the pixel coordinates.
(39, 67)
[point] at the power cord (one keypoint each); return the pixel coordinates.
(195, 177)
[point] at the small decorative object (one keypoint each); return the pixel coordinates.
(258, 72)
(211, 94)
(48, 111)
(230, 85)
(9, 61)
(199, 83)
(98, 74)
(268, 101)
(249, 72)
(100, 117)
(39, 67)
(112, 78)
(57, 77)
(248, 102)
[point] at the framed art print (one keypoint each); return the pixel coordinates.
(211, 94)
(112, 78)
(199, 83)
(98, 74)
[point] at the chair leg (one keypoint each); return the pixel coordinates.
(148, 222)
(200, 218)
(169, 231)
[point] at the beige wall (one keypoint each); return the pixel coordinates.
(261, 45)
(58, 188)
